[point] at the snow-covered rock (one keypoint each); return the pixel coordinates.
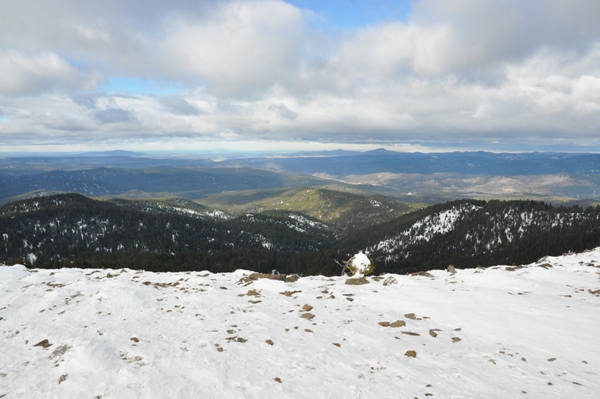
(360, 265)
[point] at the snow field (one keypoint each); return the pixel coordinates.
(503, 332)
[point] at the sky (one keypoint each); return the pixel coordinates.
(191, 76)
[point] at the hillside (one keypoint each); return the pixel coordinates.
(72, 230)
(177, 206)
(503, 332)
(471, 233)
(342, 210)
(556, 188)
(178, 235)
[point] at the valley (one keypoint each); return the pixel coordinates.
(298, 213)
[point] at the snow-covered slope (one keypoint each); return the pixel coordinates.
(502, 332)
(424, 229)
(478, 232)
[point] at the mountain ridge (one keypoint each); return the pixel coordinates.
(71, 230)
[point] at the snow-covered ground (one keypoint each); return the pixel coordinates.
(531, 332)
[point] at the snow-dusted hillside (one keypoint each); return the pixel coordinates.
(479, 232)
(423, 230)
(502, 332)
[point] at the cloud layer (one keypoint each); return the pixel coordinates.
(456, 72)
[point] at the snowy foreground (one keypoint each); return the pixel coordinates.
(503, 332)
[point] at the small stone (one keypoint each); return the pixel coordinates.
(44, 344)
(389, 281)
(414, 334)
(552, 359)
(62, 378)
(398, 323)
(411, 354)
(432, 333)
(455, 339)
(308, 316)
(134, 339)
(277, 379)
(451, 269)
(307, 308)
(357, 281)
(384, 323)
(219, 349)
(336, 344)
(423, 274)
(269, 342)
(252, 293)
(411, 316)
(289, 293)
(241, 340)
(307, 330)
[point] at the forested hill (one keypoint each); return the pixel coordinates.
(471, 233)
(75, 231)
(72, 230)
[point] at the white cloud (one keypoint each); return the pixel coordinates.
(26, 74)
(241, 46)
(456, 70)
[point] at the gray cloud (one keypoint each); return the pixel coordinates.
(114, 115)
(64, 124)
(87, 100)
(283, 111)
(179, 106)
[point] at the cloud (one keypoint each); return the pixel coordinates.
(63, 123)
(179, 106)
(87, 100)
(454, 70)
(465, 38)
(114, 115)
(241, 46)
(284, 112)
(28, 74)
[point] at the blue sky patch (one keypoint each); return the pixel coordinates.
(351, 14)
(141, 86)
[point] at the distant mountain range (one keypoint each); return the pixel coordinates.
(143, 182)
(380, 161)
(115, 153)
(413, 177)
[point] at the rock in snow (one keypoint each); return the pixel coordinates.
(467, 336)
